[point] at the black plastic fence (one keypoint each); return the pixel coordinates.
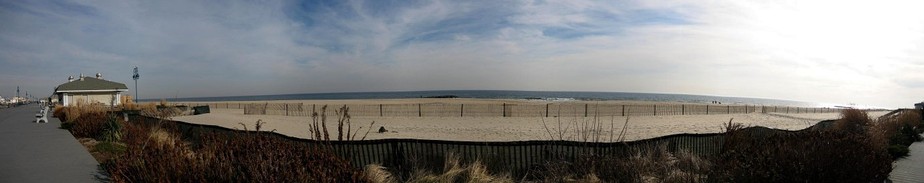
(516, 157)
(506, 110)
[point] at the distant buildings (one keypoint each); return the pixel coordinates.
(919, 105)
(11, 100)
(89, 90)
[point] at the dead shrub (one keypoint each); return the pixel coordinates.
(804, 156)
(455, 171)
(89, 125)
(853, 121)
(159, 153)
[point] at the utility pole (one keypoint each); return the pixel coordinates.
(136, 76)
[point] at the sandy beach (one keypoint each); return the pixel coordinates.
(508, 128)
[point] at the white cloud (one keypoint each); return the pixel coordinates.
(861, 52)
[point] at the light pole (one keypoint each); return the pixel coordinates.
(136, 76)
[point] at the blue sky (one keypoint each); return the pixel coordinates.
(823, 51)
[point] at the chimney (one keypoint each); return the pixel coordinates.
(70, 78)
(99, 75)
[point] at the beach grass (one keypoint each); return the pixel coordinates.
(855, 148)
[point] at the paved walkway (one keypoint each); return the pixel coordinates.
(40, 152)
(910, 168)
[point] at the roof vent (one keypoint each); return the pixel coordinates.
(99, 75)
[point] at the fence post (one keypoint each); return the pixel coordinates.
(585, 110)
(505, 109)
(314, 108)
(287, 109)
(623, 110)
(461, 110)
(655, 111)
(707, 109)
(683, 109)
(728, 109)
(546, 110)
(381, 111)
(419, 112)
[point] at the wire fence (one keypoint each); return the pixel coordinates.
(507, 110)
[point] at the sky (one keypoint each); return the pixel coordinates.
(862, 52)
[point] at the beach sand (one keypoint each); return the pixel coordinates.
(507, 128)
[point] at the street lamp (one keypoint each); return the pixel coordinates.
(136, 76)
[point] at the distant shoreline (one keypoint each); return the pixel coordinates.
(556, 96)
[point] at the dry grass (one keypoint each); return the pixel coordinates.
(646, 164)
(378, 174)
(453, 171)
(853, 121)
(157, 152)
(896, 133)
(585, 129)
(317, 129)
(845, 153)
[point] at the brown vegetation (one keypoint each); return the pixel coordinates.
(453, 171)
(648, 164)
(855, 149)
(157, 154)
(139, 151)
(804, 156)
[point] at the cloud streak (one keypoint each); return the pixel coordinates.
(801, 50)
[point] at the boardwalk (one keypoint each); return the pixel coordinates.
(911, 168)
(31, 152)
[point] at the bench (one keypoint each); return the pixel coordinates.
(41, 116)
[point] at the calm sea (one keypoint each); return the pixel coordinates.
(506, 94)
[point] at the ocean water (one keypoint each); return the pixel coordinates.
(508, 94)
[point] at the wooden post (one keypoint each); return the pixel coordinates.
(683, 109)
(419, 111)
(381, 110)
(707, 109)
(585, 110)
(287, 109)
(546, 110)
(623, 110)
(505, 109)
(314, 108)
(728, 109)
(655, 111)
(461, 110)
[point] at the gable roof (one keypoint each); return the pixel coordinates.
(90, 83)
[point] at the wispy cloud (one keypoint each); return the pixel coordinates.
(801, 50)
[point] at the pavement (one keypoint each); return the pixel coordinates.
(41, 152)
(910, 168)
